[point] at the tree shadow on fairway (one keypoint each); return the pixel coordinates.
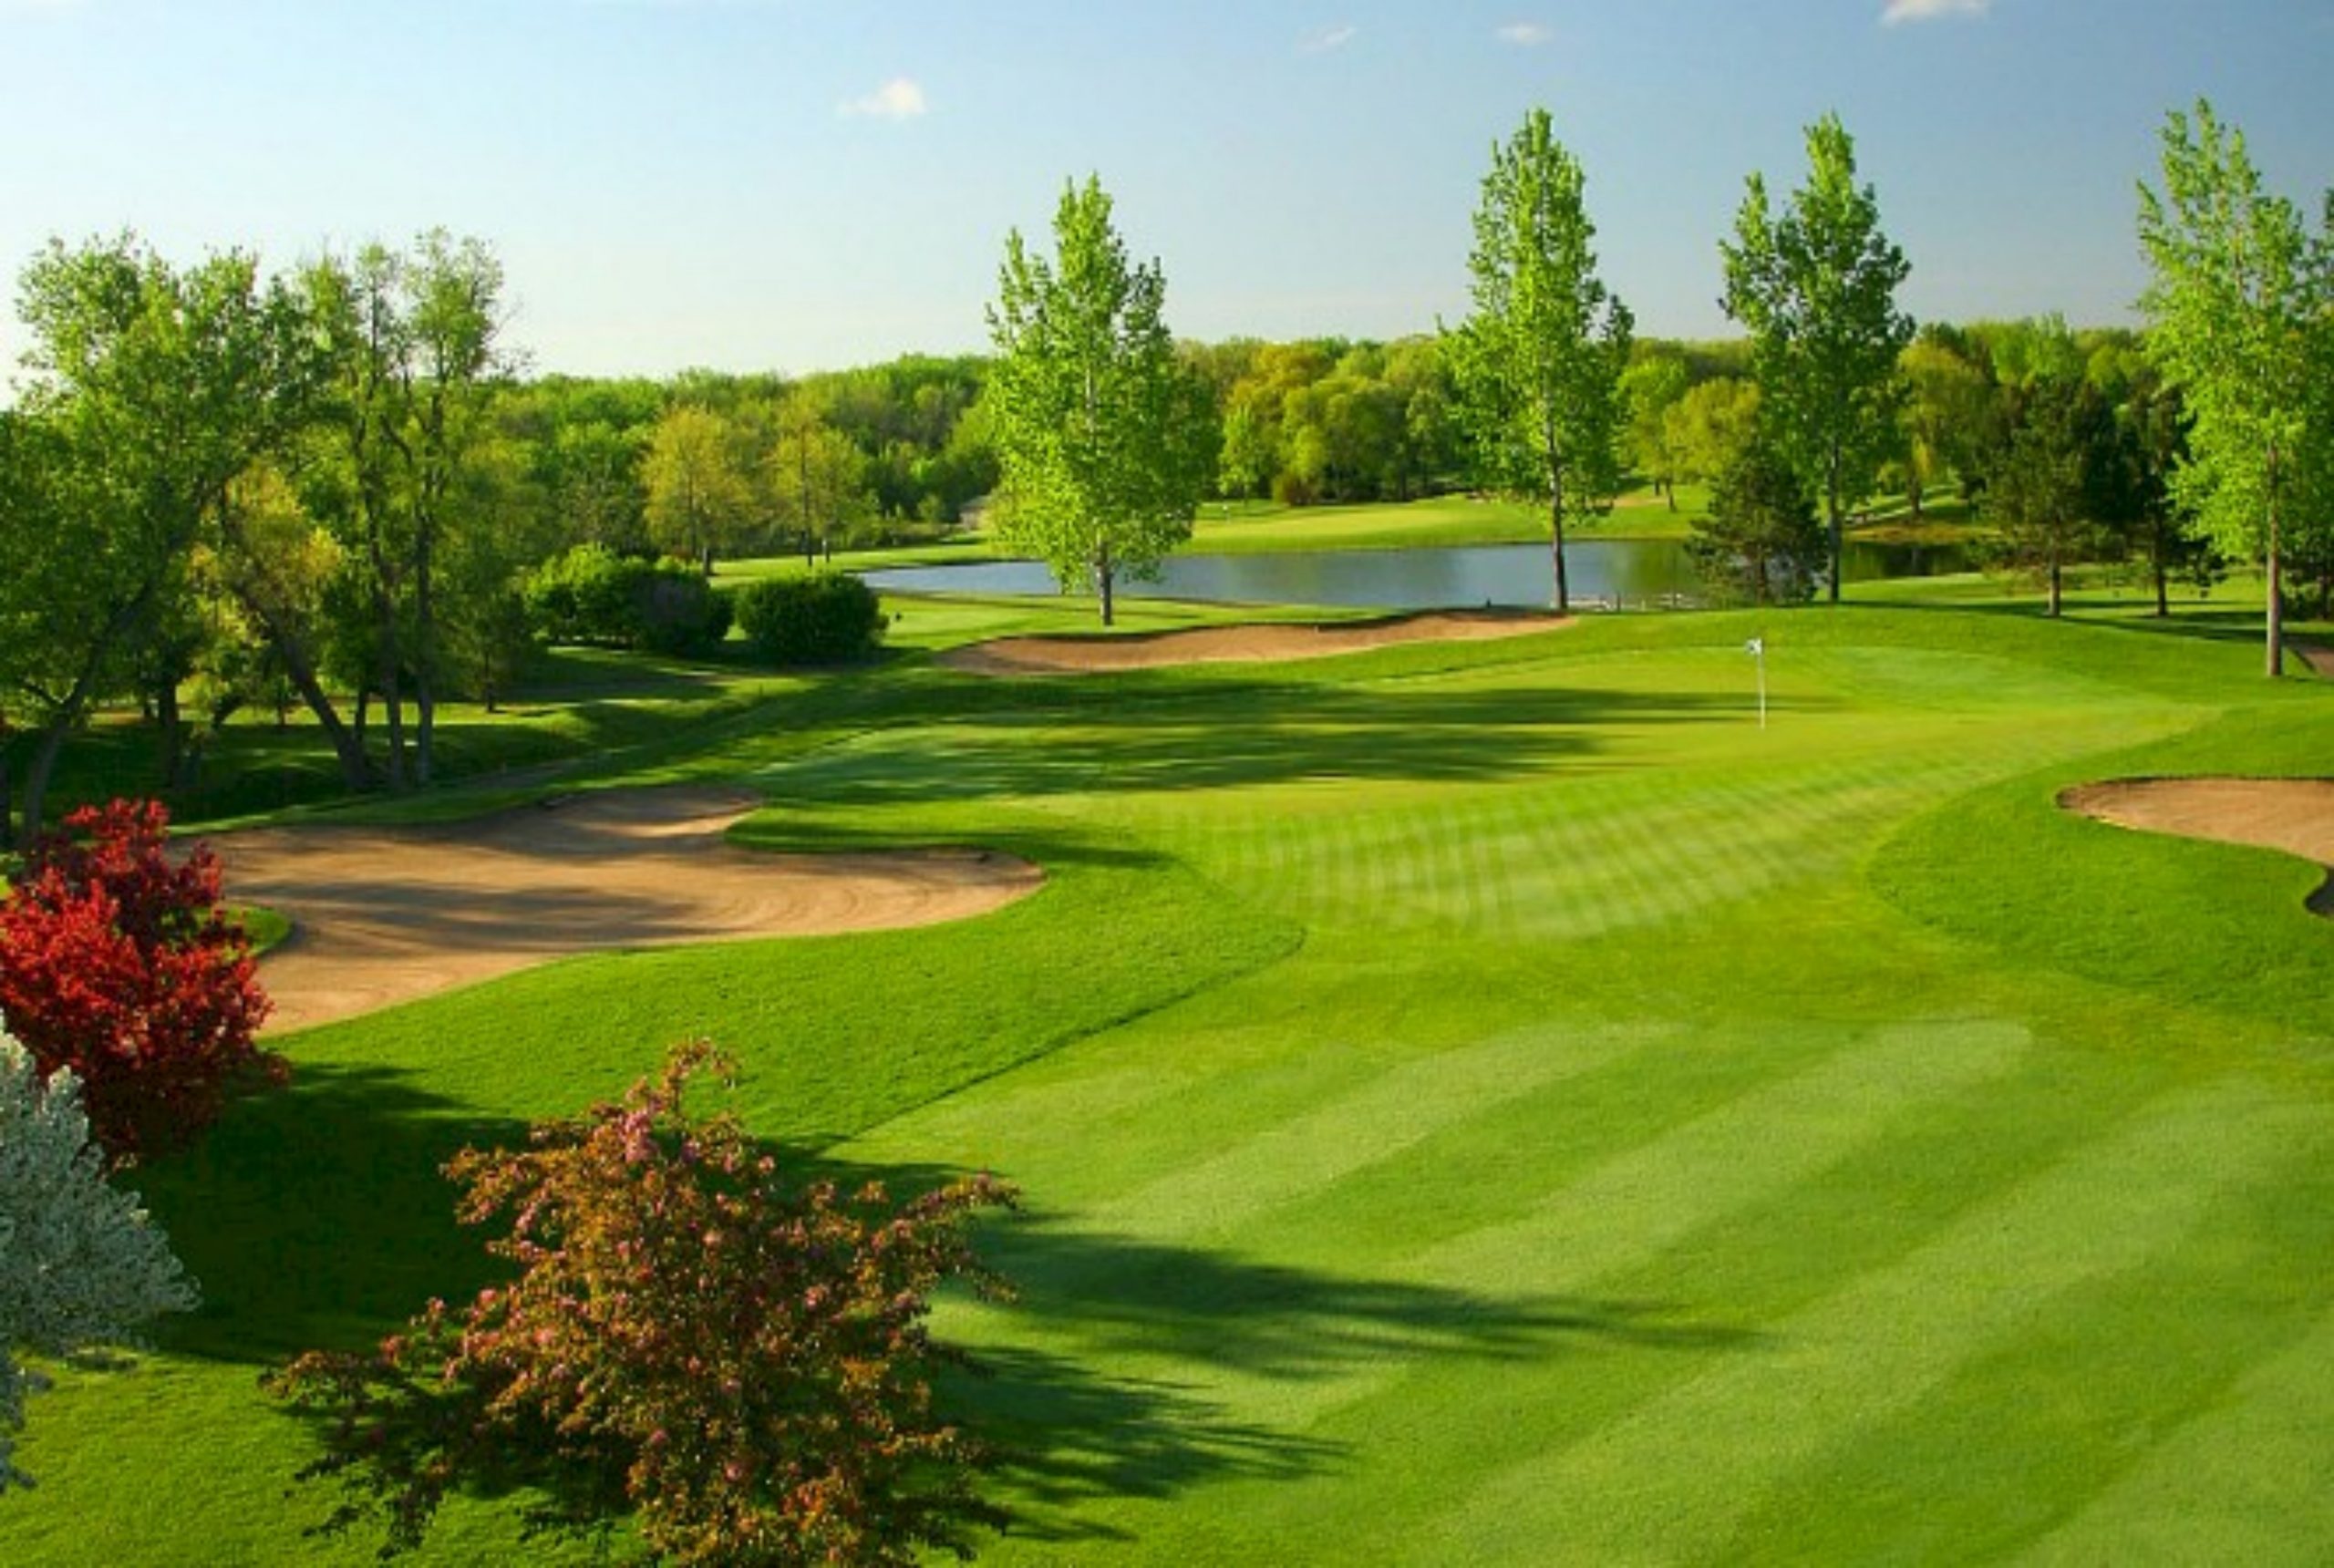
(317, 1217)
(1124, 1295)
(1227, 735)
(2189, 622)
(1071, 1431)
(1064, 1435)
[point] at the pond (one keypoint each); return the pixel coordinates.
(1623, 572)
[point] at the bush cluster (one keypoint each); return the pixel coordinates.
(125, 970)
(592, 595)
(830, 618)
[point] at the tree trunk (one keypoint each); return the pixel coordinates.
(170, 732)
(8, 803)
(425, 661)
(2276, 630)
(1556, 554)
(2056, 596)
(2161, 547)
(347, 746)
(1105, 583)
(52, 741)
(1832, 508)
(68, 712)
(393, 709)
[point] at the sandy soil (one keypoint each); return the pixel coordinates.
(383, 915)
(1235, 644)
(2318, 658)
(2296, 815)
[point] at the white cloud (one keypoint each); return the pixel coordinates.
(1324, 39)
(898, 98)
(1930, 10)
(1527, 34)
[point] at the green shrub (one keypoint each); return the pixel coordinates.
(827, 619)
(679, 610)
(592, 595)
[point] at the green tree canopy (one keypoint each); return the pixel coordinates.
(1105, 437)
(1816, 285)
(817, 478)
(1539, 360)
(700, 495)
(1760, 543)
(2237, 319)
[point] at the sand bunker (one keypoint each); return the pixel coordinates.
(1237, 644)
(386, 915)
(2296, 815)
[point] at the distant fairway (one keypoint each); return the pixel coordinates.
(1483, 1103)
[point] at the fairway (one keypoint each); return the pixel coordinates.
(1485, 1103)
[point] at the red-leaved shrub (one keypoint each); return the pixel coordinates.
(123, 967)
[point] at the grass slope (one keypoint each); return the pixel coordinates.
(1478, 1104)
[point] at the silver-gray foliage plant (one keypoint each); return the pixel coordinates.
(82, 1265)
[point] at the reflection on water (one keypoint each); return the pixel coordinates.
(1628, 572)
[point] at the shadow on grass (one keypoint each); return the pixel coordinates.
(935, 745)
(1069, 1433)
(317, 1217)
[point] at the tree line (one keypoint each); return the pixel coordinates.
(328, 487)
(2213, 430)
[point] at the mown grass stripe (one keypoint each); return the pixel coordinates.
(2250, 1482)
(1376, 1122)
(1675, 1476)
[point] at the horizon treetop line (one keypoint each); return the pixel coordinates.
(745, 186)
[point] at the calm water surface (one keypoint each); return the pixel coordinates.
(1627, 572)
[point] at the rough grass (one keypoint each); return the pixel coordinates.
(1486, 1103)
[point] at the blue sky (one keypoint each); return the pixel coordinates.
(803, 184)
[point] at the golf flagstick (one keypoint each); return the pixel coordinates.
(1756, 648)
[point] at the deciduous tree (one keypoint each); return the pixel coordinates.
(2238, 316)
(1708, 427)
(2042, 490)
(1653, 386)
(1105, 437)
(152, 388)
(1539, 359)
(739, 1365)
(1816, 286)
(818, 480)
(700, 493)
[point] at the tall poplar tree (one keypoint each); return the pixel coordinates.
(1104, 436)
(1816, 286)
(1539, 360)
(2237, 321)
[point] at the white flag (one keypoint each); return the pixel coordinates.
(1756, 645)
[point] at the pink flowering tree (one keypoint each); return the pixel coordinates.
(738, 1368)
